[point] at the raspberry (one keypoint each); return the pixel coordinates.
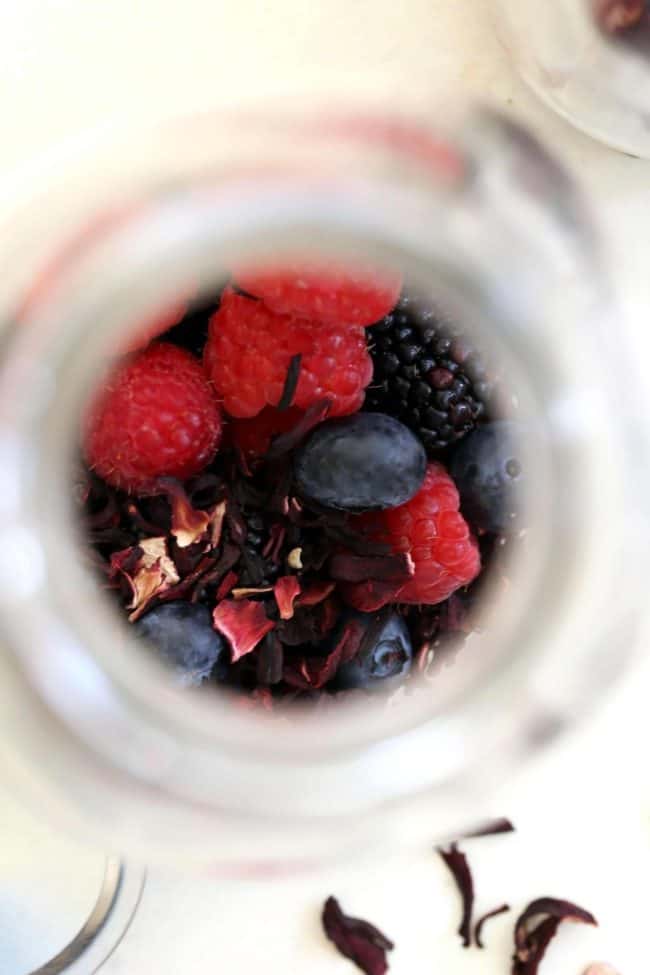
(432, 531)
(156, 416)
(335, 294)
(250, 348)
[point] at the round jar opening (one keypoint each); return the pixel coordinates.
(274, 717)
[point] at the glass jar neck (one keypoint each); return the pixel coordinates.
(467, 217)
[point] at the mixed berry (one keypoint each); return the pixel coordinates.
(296, 488)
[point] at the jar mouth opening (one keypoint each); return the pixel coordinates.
(151, 261)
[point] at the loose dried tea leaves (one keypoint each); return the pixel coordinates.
(478, 927)
(532, 940)
(459, 868)
(243, 624)
(358, 940)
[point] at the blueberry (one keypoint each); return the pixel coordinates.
(385, 655)
(185, 638)
(489, 476)
(364, 462)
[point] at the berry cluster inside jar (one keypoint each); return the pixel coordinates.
(296, 489)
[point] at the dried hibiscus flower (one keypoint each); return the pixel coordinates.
(482, 921)
(358, 940)
(457, 863)
(532, 939)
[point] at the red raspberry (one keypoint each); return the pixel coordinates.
(156, 416)
(432, 531)
(335, 294)
(250, 347)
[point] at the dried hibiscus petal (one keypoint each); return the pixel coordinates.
(286, 591)
(531, 941)
(361, 942)
(312, 673)
(491, 828)
(346, 567)
(189, 524)
(243, 624)
(315, 593)
(270, 661)
(478, 927)
(456, 861)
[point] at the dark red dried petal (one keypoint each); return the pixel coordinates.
(228, 582)
(312, 673)
(270, 662)
(456, 862)
(492, 827)
(286, 590)
(478, 927)
(346, 567)
(315, 593)
(361, 942)
(273, 547)
(531, 941)
(243, 623)
(311, 418)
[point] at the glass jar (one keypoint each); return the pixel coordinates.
(477, 215)
(589, 60)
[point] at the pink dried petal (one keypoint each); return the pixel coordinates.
(243, 624)
(286, 591)
(148, 570)
(358, 940)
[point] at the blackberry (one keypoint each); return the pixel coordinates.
(426, 375)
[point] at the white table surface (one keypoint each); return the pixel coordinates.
(70, 68)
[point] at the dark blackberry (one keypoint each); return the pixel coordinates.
(426, 375)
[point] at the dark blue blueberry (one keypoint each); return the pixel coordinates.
(185, 638)
(385, 655)
(488, 472)
(364, 462)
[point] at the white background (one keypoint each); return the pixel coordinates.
(71, 68)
